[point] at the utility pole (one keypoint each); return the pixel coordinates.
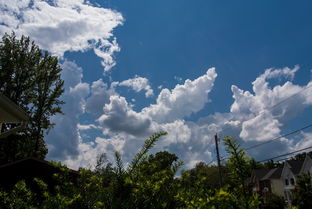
(219, 161)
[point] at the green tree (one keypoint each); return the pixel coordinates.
(154, 182)
(303, 193)
(239, 170)
(146, 183)
(201, 178)
(19, 197)
(274, 201)
(31, 78)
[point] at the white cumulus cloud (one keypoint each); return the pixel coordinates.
(138, 84)
(100, 95)
(254, 117)
(63, 140)
(183, 100)
(62, 25)
(119, 117)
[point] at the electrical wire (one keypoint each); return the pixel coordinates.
(270, 109)
(290, 153)
(275, 105)
(269, 141)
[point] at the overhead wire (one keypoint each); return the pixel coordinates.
(277, 104)
(279, 137)
(270, 109)
(289, 153)
(278, 156)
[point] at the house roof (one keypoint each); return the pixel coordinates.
(29, 168)
(32, 161)
(274, 173)
(260, 173)
(10, 112)
(295, 166)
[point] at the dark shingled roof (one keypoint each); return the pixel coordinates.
(295, 165)
(274, 173)
(260, 173)
(29, 168)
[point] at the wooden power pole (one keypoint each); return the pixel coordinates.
(219, 161)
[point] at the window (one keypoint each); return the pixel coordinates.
(292, 181)
(286, 182)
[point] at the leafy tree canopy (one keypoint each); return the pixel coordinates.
(31, 78)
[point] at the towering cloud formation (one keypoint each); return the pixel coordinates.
(64, 138)
(183, 100)
(268, 109)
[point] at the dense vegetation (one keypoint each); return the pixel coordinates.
(149, 182)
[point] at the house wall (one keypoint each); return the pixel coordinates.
(277, 187)
(288, 189)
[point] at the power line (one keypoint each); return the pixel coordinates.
(280, 102)
(270, 109)
(283, 159)
(213, 158)
(210, 142)
(269, 141)
(211, 161)
(257, 145)
(290, 153)
(277, 104)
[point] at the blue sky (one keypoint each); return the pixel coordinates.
(135, 67)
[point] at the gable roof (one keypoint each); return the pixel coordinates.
(274, 173)
(295, 166)
(259, 173)
(29, 168)
(33, 161)
(307, 164)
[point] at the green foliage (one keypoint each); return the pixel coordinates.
(154, 183)
(239, 170)
(150, 182)
(19, 198)
(148, 144)
(274, 201)
(219, 199)
(238, 163)
(197, 191)
(302, 156)
(303, 193)
(271, 164)
(228, 200)
(202, 177)
(31, 79)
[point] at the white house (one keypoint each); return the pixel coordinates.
(281, 180)
(11, 113)
(291, 170)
